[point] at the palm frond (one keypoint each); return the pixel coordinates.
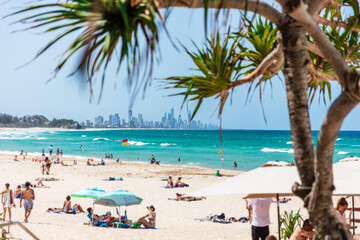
(217, 66)
(103, 26)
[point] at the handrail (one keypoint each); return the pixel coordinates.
(22, 226)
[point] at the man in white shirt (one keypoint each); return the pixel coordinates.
(260, 220)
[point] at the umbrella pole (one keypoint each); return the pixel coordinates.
(278, 213)
(353, 213)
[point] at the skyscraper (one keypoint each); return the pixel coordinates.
(140, 120)
(117, 120)
(129, 117)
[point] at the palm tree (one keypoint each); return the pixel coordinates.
(307, 55)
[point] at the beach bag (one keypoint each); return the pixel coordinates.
(11, 198)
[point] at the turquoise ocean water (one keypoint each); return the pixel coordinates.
(249, 148)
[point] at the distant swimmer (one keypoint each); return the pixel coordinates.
(235, 164)
(179, 159)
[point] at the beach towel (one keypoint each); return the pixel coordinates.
(112, 179)
(55, 211)
(174, 199)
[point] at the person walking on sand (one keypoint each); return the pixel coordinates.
(260, 219)
(7, 199)
(29, 197)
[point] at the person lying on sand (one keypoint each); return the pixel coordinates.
(178, 183)
(242, 219)
(39, 184)
(47, 179)
(67, 206)
(181, 197)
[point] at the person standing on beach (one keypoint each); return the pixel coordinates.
(61, 153)
(29, 197)
(7, 199)
(43, 152)
(57, 152)
(50, 150)
(260, 218)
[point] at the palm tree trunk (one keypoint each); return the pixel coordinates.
(295, 71)
(320, 201)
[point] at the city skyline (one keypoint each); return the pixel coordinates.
(167, 121)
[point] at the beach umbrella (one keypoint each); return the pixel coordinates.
(277, 181)
(118, 198)
(89, 193)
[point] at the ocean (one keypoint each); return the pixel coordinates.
(197, 148)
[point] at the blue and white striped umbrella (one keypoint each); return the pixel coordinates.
(118, 198)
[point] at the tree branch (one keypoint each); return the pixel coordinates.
(334, 23)
(272, 61)
(312, 48)
(339, 65)
(316, 6)
(255, 6)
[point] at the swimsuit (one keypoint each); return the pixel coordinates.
(28, 205)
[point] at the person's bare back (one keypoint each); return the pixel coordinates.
(28, 194)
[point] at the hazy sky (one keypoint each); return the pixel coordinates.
(25, 91)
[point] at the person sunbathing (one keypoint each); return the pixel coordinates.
(92, 216)
(151, 222)
(47, 179)
(17, 192)
(39, 184)
(178, 183)
(181, 197)
(242, 219)
(67, 206)
(170, 182)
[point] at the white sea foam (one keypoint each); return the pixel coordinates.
(167, 144)
(103, 139)
(13, 138)
(141, 143)
(277, 150)
(83, 136)
(339, 139)
(137, 143)
(290, 142)
(355, 145)
(342, 153)
(41, 138)
(10, 152)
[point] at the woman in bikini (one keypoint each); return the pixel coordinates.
(151, 217)
(67, 206)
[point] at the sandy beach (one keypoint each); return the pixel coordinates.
(175, 219)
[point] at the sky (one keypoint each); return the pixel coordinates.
(26, 90)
